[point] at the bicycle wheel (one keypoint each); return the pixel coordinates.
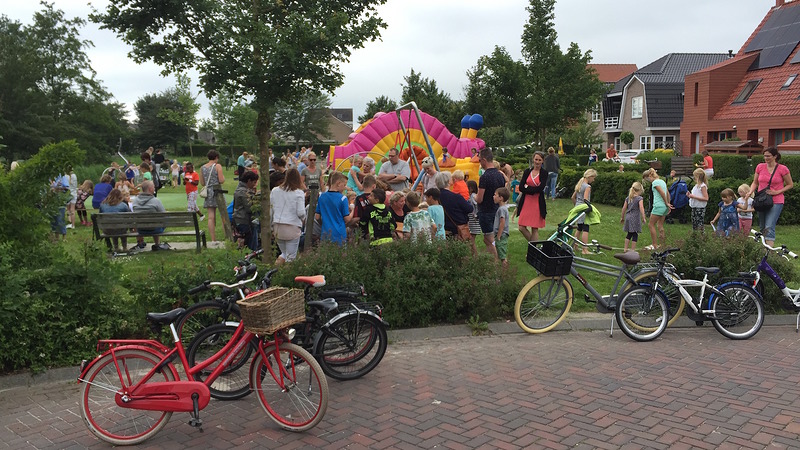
(203, 315)
(642, 313)
(674, 298)
(232, 383)
(543, 303)
(290, 386)
(351, 347)
(101, 387)
(738, 313)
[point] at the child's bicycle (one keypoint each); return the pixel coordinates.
(733, 307)
(791, 297)
(545, 301)
(131, 390)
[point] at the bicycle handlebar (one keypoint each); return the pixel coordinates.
(208, 283)
(201, 288)
(782, 249)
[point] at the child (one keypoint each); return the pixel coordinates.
(698, 199)
(417, 224)
(333, 210)
(459, 185)
(435, 210)
(728, 219)
(744, 205)
(190, 180)
(362, 202)
(583, 193)
(84, 191)
(501, 196)
(633, 216)
(474, 225)
(377, 220)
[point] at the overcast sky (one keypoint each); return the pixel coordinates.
(442, 39)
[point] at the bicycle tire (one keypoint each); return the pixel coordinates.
(301, 404)
(204, 314)
(674, 297)
(351, 346)
(99, 410)
(543, 303)
(738, 313)
(642, 313)
(233, 383)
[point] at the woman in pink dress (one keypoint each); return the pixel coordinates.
(531, 205)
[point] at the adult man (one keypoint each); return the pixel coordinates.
(553, 166)
(611, 152)
(276, 177)
(491, 179)
(428, 172)
(158, 158)
(240, 163)
(395, 172)
(242, 212)
(146, 201)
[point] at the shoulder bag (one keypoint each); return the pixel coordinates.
(763, 201)
(204, 192)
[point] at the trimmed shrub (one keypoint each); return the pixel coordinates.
(732, 166)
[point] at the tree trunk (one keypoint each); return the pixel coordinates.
(263, 124)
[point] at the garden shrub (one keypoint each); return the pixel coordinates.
(732, 255)
(418, 284)
(732, 166)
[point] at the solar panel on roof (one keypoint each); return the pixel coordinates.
(796, 58)
(777, 38)
(775, 56)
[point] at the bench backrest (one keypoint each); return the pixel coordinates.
(682, 165)
(182, 219)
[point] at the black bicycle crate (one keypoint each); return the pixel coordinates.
(549, 258)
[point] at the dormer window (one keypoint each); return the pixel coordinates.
(747, 91)
(789, 81)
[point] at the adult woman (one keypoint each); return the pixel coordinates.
(368, 167)
(242, 210)
(708, 165)
(661, 207)
(776, 179)
(210, 176)
(398, 208)
(354, 175)
(531, 205)
(312, 173)
(101, 190)
(113, 203)
(288, 214)
(456, 208)
(123, 185)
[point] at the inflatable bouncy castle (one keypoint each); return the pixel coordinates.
(375, 137)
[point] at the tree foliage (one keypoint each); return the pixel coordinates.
(380, 104)
(154, 129)
(270, 51)
(429, 98)
(234, 120)
(184, 116)
(304, 119)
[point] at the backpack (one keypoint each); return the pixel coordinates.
(677, 193)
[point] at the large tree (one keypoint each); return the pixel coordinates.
(429, 98)
(234, 119)
(304, 119)
(494, 88)
(184, 116)
(153, 128)
(271, 51)
(380, 104)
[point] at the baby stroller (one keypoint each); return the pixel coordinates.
(679, 200)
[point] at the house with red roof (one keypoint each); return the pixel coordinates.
(750, 101)
(608, 74)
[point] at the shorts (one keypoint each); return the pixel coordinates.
(583, 227)
(191, 201)
(501, 245)
(151, 231)
(659, 210)
(486, 220)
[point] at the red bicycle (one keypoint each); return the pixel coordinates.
(131, 390)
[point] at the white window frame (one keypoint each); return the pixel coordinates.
(637, 104)
(664, 139)
(645, 142)
(597, 113)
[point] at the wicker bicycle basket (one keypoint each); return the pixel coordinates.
(267, 311)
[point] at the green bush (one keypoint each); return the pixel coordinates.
(418, 284)
(732, 166)
(732, 255)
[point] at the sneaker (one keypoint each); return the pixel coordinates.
(70, 226)
(141, 245)
(202, 217)
(162, 246)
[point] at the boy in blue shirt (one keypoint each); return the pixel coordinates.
(436, 211)
(501, 196)
(333, 210)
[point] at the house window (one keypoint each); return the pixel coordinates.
(696, 92)
(789, 81)
(782, 136)
(596, 113)
(722, 135)
(645, 142)
(636, 107)
(747, 91)
(664, 141)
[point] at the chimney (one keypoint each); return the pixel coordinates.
(730, 53)
(779, 3)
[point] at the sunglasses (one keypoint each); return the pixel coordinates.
(312, 159)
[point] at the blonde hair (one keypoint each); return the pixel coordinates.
(743, 188)
(87, 186)
(458, 175)
(650, 173)
(588, 174)
(699, 175)
(636, 189)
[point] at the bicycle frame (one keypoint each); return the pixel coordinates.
(793, 295)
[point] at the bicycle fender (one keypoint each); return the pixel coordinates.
(318, 335)
(715, 291)
(351, 312)
(147, 349)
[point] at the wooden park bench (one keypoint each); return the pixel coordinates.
(682, 165)
(182, 223)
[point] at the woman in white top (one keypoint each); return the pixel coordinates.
(288, 213)
(698, 199)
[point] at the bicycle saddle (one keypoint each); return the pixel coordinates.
(315, 280)
(628, 258)
(708, 270)
(167, 317)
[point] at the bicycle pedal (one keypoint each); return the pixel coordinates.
(587, 299)
(196, 423)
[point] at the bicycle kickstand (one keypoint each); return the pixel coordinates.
(195, 419)
(611, 333)
(797, 327)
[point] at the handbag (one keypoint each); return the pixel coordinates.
(204, 192)
(462, 231)
(763, 201)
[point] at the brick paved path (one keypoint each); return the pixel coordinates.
(691, 389)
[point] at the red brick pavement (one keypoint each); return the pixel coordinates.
(690, 389)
